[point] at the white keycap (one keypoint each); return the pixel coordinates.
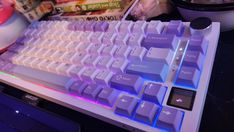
(91, 60)
(27, 61)
(40, 43)
(46, 43)
(105, 62)
(96, 48)
(121, 39)
(89, 74)
(103, 77)
(66, 58)
(56, 56)
(46, 34)
(30, 41)
(123, 51)
(55, 35)
(155, 27)
(31, 51)
(137, 53)
(61, 46)
(72, 46)
(109, 37)
(85, 37)
(48, 55)
(119, 65)
(52, 66)
(62, 69)
(64, 25)
(113, 26)
(32, 62)
(79, 58)
(84, 47)
(75, 71)
(44, 65)
(17, 59)
(97, 37)
(63, 36)
(40, 53)
(75, 36)
(66, 35)
(125, 27)
(35, 63)
(39, 33)
(54, 44)
(135, 39)
(109, 50)
(162, 55)
(139, 27)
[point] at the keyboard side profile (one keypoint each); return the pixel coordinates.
(141, 76)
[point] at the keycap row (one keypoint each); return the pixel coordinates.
(145, 110)
(135, 39)
(141, 27)
(192, 64)
(91, 52)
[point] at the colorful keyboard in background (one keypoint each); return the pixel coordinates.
(142, 76)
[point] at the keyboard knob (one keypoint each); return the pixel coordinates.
(200, 25)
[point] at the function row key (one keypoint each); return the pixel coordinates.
(92, 26)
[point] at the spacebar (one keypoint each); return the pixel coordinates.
(49, 79)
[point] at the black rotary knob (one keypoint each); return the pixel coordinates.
(200, 25)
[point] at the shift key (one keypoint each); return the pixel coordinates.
(155, 71)
(127, 82)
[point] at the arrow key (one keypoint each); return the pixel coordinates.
(126, 105)
(170, 119)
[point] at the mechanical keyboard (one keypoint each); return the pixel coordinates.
(141, 76)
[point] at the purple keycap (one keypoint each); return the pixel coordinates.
(160, 41)
(144, 69)
(2, 64)
(91, 91)
(21, 40)
(188, 76)
(194, 59)
(146, 112)
(107, 96)
(7, 56)
(101, 26)
(127, 82)
(7, 67)
(175, 27)
(170, 119)
(198, 43)
(80, 26)
(125, 105)
(34, 25)
(90, 25)
(78, 87)
(154, 92)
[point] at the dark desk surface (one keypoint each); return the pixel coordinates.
(218, 114)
